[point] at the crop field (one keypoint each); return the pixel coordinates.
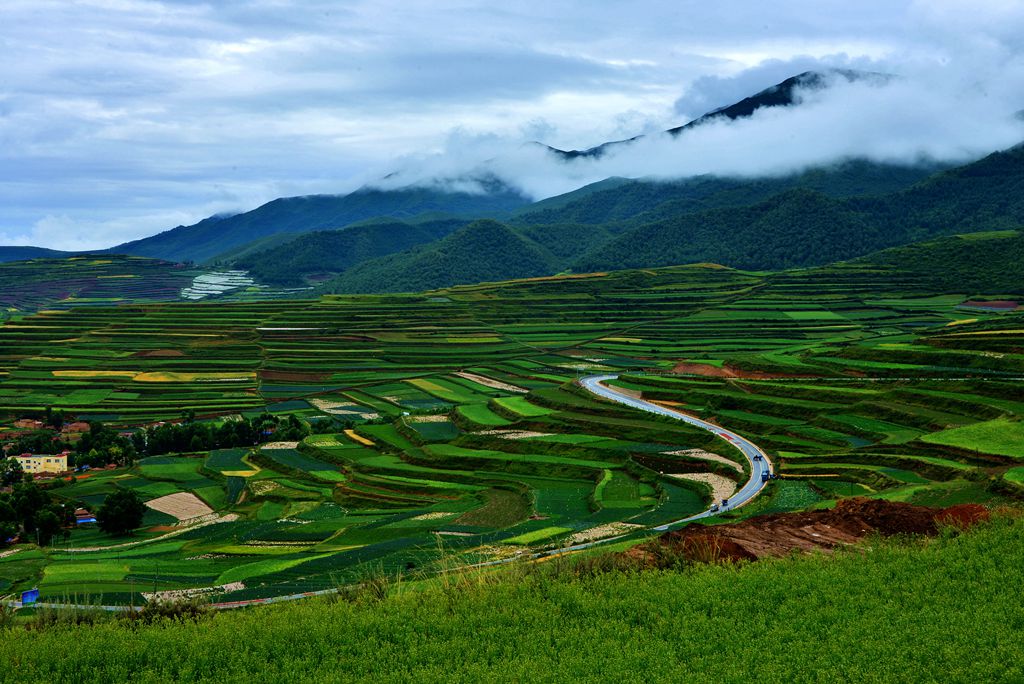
(449, 424)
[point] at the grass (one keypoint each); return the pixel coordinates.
(1001, 436)
(903, 608)
(543, 533)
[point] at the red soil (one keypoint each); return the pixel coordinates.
(159, 353)
(292, 376)
(823, 530)
(992, 304)
(708, 370)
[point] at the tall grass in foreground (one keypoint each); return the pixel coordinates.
(945, 609)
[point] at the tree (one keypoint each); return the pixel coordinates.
(121, 512)
(8, 521)
(48, 523)
(11, 472)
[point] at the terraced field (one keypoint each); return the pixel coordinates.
(449, 423)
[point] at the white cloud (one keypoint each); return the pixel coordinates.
(122, 117)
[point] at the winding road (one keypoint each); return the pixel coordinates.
(595, 384)
(759, 462)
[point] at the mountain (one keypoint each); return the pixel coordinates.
(802, 227)
(644, 200)
(566, 227)
(324, 253)
(986, 264)
(484, 250)
(784, 94)
(215, 235)
(19, 253)
(797, 226)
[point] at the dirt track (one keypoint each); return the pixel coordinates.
(781, 534)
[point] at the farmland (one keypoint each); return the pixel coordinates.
(447, 424)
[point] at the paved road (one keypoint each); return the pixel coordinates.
(594, 384)
(759, 462)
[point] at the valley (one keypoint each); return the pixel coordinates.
(405, 431)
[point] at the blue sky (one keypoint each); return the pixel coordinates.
(121, 118)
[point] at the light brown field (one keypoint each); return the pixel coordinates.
(181, 505)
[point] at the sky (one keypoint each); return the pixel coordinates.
(122, 118)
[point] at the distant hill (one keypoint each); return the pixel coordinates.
(481, 251)
(215, 235)
(324, 253)
(645, 200)
(19, 253)
(987, 263)
(797, 227)
(566, 227)
(803, 227)
(784, 94)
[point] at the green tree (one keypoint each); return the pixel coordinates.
(11, 472)
(48, 524)
(121, 512)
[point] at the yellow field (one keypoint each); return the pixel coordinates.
(351, 434)
(93, 374)
(192, 377)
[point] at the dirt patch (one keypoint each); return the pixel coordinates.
(181, 505)
(710, 371)
(784, 533)
(1003, 304)
(602, 531)
(279, 445)
(721, 487)
(159, 353)
(292, 376)
(490, 382)
(515, 434)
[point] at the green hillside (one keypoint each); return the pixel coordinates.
(482, 251)
(322, 253)
(645, 200)
(909, 610)
(804, 228)
(216, 235)
(19, 253)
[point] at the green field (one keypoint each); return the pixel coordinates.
(671, 626)
(851, 378)
(1001, 436)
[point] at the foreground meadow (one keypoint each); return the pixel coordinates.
(944, 609)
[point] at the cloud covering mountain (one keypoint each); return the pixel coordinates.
(119, 118)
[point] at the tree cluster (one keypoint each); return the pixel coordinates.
(31, 511)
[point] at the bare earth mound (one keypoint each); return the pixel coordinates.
(182, 505)
(781, 534)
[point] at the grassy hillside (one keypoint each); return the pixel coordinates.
(482, 251)
(643, 201)
(761, 224)
(19, 253)
(330, 252)
(804, 228)
(942, 610)
(990, 262)
(213, 236)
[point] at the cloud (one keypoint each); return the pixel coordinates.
(930, 116)
(119, 118)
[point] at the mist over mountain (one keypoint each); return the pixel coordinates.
(811, 119)
(785, 94)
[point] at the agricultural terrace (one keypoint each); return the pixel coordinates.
(448, 423)
(27, 286)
